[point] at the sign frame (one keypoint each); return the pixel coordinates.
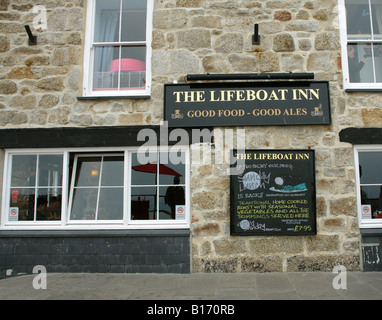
(247, 104)
(292, 219)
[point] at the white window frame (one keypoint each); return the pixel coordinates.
(69, 221)
(364, 223)
(89, 56)
(348, 86)
(65, 223)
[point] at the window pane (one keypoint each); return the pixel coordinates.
(23, 201)
(23, 170)
(50, 170)
(360, 63)
(112, 171)
(84, 204)
(172, 168)
(378, 61)
(48, 204)
(170, 198)
(358, 19)
(376, 7)
(106, 66)
(88, 171)
(370, 167)
(372, 196)
(143, 203)
(133, 68)
(144, 168)
(110, 204)
(138, 53)
(107, 15)
(133, 20)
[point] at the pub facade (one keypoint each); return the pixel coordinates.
(178, 136)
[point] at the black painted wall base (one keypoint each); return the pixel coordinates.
(101, 252)
(372, 250)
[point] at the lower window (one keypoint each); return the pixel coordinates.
(369, 185)
(103, 189)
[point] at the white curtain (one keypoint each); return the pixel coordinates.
(378, 17)
(108, 27)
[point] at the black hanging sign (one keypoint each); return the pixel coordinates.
(275, 194)
(247, 104)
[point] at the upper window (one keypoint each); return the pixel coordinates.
(369, 185)
(361, 37)
(76, 189)
(118, 48)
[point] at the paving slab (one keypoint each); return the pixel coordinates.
(198, 286)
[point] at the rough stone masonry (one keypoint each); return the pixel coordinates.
(39, 86)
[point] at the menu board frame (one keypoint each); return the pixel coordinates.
(275, 194)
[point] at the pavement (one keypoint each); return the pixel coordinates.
(197, 286)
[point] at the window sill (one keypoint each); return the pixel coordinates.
(363, 89)
(113, 97)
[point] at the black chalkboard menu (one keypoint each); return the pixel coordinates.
(273, 192)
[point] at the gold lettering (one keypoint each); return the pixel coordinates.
(273, 96)
(315, 93)
(302, 156)
(230, 95)
(306, 94)
(177, 94)
(213, 97)
(251, 95)
(244, 156)
(283, 91)
(200, 96)
(189, 96)
(262, 95)
(240, 95)
(274, 156)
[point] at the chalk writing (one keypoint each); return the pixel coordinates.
(275, 194)
(251, 225)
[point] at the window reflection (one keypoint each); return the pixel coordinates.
(173, 163)
(143, 176)
(370, 167)
(372, 196)
(158, 187)
(143, 203)
(357, 58)
(378, 60)
(23, 170)
(119, 65)
(364, 22)
(23, 201)
(98, 188)
(36, 187)
(172, 197)
(358, 18)
(84, 204)
(371, 182)
(48, 207)
(133, 20)
(376, 8)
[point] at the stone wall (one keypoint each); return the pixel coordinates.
(39, 86)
